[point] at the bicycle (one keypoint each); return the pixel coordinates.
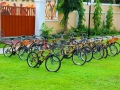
(70, 50)
(52, 62)
(103, 48)
(98, 50)
(84, 45)
(111, 47)
(11, 48)
(28, 45)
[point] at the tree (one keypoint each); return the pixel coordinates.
(65, 7)
(81, 14)
(109, 17)
(97, 15)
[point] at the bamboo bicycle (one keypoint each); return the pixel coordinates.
(27, 44)
(52, 62)
(11, 48)
(69, 50)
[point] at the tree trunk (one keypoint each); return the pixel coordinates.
(114, 1)
(65, 27)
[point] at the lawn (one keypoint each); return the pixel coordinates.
(95, 75)
(102, 74)
(1, 44)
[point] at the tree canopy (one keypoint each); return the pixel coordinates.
(65, 7)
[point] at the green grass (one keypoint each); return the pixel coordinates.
(96, 75)
(1, 44)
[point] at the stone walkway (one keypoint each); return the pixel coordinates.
(1, 50)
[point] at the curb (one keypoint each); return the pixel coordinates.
(1, 50)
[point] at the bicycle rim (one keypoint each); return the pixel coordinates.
(117, 46)
(57, 51)
(98, 52)
(112, 50)
(23, 53)
(7, 50)
(88, 52)
(32, 59)
(52, 63)
(79, 57)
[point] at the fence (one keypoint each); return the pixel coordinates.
(16, 21)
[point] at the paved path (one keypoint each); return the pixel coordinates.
(1, 51)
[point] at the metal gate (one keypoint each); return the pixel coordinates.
(17, 21)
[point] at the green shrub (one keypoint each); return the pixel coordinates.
(45, 30)
(109, 17)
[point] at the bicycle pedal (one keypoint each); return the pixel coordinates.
(40, 62)
(13, 53)
(38, 66)
(65, 56)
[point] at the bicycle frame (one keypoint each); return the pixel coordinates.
(41, 56)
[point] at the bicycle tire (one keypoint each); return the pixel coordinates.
(118, 46)
(89, 53)
(105, 50)
(23, 53)
(32, 59)
(69, 51)
(79, 57)
(98, 52)
(112, 50)
(34, 48)
(52, 63)
(7, 50)
(58, 51)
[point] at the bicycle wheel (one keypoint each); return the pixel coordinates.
(57, 50)
(68, 51)
(34, 48)
(23, 53)
(89, 53)
(79, 57)
(118, 46)
(7, 50)
(98, 52)
(112, 50)
(32, 59)
(52, 63)
(105, 50)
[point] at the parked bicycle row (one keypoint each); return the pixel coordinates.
(82, 50)
(85, 49)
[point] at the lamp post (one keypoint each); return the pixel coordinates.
(89, 4)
